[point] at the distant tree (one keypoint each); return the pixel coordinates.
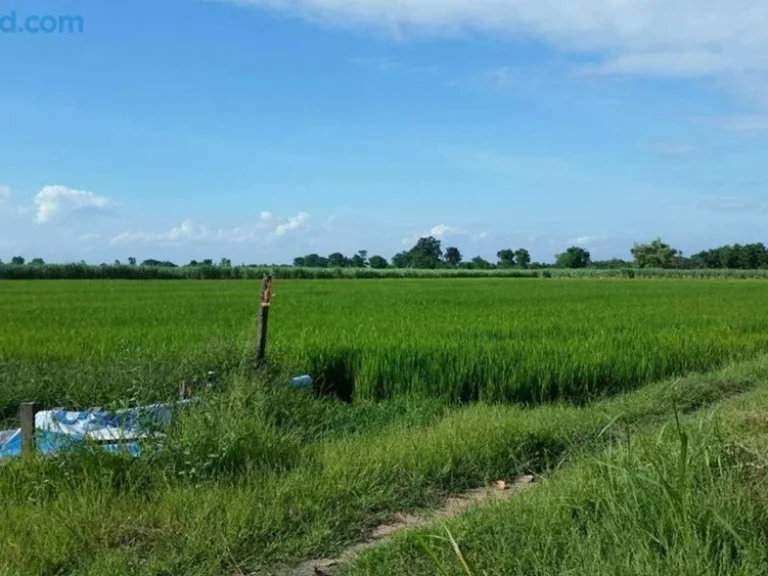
(193, 263)
(37, 262)
(656, 254)
(401, 260)
(298, 262)
(315, 261)
(480, 263)
(225, 263)
(208, 262)
(360, 260)
(18, 260)
(522, 258)
(337, 260)
(378, 263)
(574, 257)
(613, 264)
(159, 263)
(506, 258)
(427, 253)
(117, 262)
(453, 256)
(131, 261)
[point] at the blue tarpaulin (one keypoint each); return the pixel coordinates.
(56, 430)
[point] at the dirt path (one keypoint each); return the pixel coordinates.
(385, 532)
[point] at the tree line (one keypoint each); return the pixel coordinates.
(428, 254)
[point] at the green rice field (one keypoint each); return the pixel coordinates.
(258, 478)
(522, 340)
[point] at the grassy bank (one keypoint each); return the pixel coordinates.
(691, 500)
(256, 477)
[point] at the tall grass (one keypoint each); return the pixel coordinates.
(78, 271)
(690, 500)
(257, 476)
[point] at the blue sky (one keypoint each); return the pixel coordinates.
(261, 130)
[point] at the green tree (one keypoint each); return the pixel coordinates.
(427, 253)
(574, 257)
(37, 262)
(401, 260)
(453, 256)
(131, 261)
(315, 261)
(18, 260)
(522, 258)
(480, 263)
(506, 258)
(298, 262)
(655, 254)
(360, 260)
(337, 260)
(378, 263)
(225, 263)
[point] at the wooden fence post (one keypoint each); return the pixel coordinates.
(266, 297)
(27, 413)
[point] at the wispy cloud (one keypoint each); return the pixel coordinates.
(586, 241)
(443, 232)
(189, 230)
(5, 193)
(294, 223)
(58, 202)
(91, 237)
(678, 37)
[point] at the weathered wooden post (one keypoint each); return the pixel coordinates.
(27, 413)
(266, 297)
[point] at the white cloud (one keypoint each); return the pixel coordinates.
(187, 230)
(586, 241)
(683, 64)
(443, 232)
(668, 37)
(5, 193)
(89, 237)
(294, 223)
(192, 231)
(57, 202)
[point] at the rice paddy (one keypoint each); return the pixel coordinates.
(259, 478)
(523, 340)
